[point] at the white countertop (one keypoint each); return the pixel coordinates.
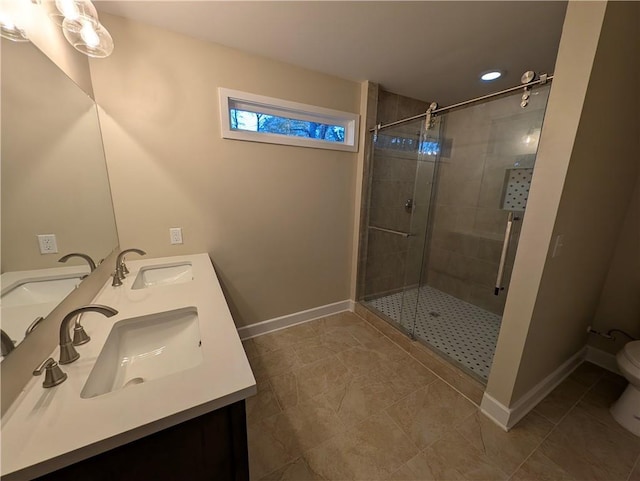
(46, 429)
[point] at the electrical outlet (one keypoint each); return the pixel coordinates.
(175, 235)
(48, 244)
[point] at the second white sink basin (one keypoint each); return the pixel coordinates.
(163, 275)
(145, 348)
(40, 291)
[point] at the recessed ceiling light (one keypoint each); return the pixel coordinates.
(491, 75)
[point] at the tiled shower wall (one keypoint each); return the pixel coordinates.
(469, 223)
(392, 260)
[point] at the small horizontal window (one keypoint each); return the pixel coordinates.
(256, 118)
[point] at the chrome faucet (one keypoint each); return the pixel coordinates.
(68, 353)
(6, 343)
(92, 265)
(80, 336)
(121, 267)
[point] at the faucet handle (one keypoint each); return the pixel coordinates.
(53, 375)
(121, 267)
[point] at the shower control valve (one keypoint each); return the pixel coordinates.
(409, 205)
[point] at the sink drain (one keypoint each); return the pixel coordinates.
(135, 380)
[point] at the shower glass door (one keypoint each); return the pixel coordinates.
(424, 195)
(402, 168)
(483, 180)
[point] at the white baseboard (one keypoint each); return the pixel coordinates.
(495, 410)
(270, 325)
(603, 359)
(506, 417)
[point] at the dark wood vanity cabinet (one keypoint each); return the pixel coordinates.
(210, 447)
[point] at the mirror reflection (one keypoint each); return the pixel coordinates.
(55, 192)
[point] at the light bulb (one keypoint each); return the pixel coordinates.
(74, 11)
(89, 35)
(68, 8)
(6, 21)
(9, 29)
(492, 75)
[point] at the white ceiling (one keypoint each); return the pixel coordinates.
(429, 50)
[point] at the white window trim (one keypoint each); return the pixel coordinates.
(279, 107)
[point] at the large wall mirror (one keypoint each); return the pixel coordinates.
(53, 182)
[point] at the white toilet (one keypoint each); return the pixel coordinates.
(626, 410)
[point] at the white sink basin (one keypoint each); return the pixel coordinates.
(40, 291)
(163, 275)
(141, 349)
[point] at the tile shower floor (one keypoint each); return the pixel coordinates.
(338, 399)
(464, 332)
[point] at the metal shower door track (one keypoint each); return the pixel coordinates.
(540, 81)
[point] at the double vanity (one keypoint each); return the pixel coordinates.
(157, 393)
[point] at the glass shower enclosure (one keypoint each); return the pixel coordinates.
(446, 201)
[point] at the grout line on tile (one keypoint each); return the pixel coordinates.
(386, 413)
(535, 450)
(636, 465)
(555, 426)
(275, 396)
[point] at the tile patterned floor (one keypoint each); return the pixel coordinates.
(460, 330)
(341, 398)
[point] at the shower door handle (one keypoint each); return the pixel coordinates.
(391, 231)
(503, 256)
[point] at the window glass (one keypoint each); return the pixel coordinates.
(256, 118)
(273, 124)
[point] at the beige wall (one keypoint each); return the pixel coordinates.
(598, 188)
(600, 178)
(619, 306)
(573, 68)
(277, 220)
